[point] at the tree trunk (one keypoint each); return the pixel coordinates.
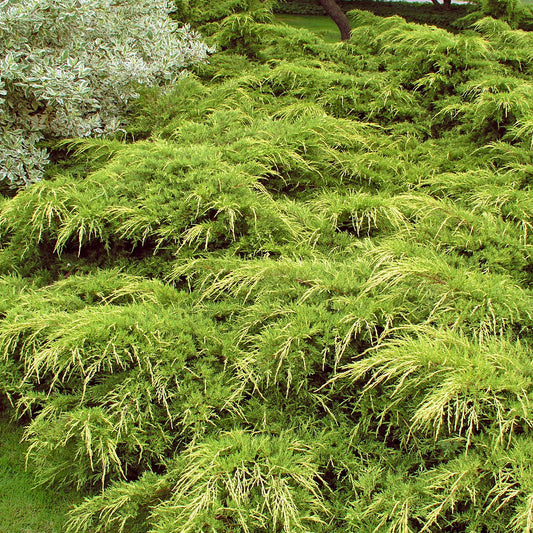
(337, 14)
(446, 4)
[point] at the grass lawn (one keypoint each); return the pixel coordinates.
(323, 26)
(24, 509)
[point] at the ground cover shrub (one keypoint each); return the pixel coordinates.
(300, 301)
(204, 12)
(109, 406)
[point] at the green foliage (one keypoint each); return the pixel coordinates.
(113, 383)
(515, 13)
(442, 385)
(419, 12)
(60, 74)
(253, 482)
(245, 481)
(299, 301)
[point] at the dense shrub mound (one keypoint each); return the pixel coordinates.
(299, 301)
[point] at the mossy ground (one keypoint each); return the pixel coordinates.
(25, 508)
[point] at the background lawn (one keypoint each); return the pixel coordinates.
(24, 509)
(326, 28)
(323, 26)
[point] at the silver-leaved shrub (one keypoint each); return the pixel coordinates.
(69, 68)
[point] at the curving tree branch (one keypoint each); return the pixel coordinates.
(337, 14)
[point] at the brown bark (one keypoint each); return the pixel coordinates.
(337, 14)
(446, 4)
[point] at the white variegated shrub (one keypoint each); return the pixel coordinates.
(69, 68)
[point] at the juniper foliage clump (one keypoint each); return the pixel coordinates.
(299, 300)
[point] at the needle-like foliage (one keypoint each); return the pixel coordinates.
(295, 297)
